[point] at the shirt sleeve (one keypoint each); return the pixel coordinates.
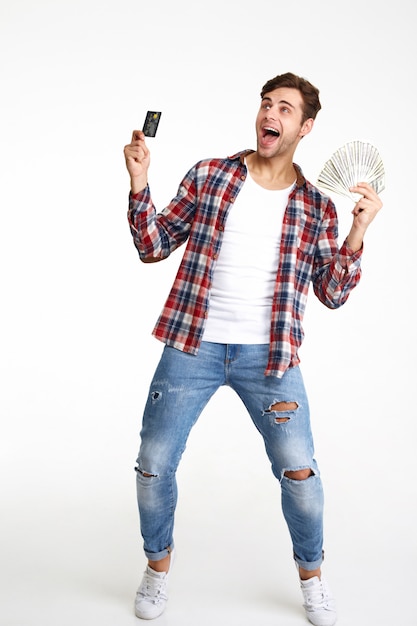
(157, 235)
(337, 271)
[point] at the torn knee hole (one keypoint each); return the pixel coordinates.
(145, 474)
(302, 474)
(283, 407)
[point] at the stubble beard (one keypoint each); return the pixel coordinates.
(287, 147)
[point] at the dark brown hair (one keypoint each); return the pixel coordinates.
(309, 93)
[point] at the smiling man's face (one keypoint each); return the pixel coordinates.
(279, 125)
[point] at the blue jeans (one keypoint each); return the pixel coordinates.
(181, 387)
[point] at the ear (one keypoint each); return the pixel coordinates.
(306, 127)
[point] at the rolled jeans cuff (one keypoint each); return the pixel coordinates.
(309, 565)
(158, 556)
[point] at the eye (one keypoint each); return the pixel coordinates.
(266, 103)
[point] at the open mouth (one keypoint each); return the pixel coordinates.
(268, 131)
(269, 136)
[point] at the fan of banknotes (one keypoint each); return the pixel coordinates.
(352, 163)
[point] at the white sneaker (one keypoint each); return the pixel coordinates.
(318, 602)
(152, 594)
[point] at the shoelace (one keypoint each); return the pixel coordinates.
(316, 597)
(152, 589)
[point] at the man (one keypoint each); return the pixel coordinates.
(257, 234)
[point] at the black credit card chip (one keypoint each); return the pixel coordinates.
(151, 123)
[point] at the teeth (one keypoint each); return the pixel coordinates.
(268, 129)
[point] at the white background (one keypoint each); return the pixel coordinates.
(77, 310)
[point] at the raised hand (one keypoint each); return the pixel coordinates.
(363, 213)
(137, 158)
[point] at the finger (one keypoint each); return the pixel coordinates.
(138, 145)
(139, 141)
(137, 135)
(134, 153)
(359, 208)
(365, 189)
(368, 205)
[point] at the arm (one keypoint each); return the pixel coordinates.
(337, 272)
(156, 235)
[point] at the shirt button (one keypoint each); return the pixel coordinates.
(232, 199)
(221, 228)
(243, 177)
(215, 256)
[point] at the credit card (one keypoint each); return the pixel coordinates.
(150, 125)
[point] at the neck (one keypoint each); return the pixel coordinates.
(272, 173)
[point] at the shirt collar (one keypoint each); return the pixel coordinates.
(300, 181)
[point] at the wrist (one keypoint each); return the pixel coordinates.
(138, 184)
(355, 242)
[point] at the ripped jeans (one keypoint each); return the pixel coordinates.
(181, 387)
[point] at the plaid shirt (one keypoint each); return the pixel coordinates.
(198, 213)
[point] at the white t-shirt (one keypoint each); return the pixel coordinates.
(245, 273)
